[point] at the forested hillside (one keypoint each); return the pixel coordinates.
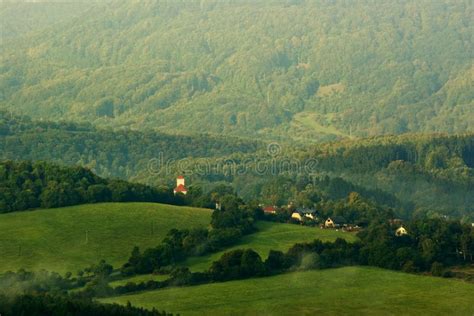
(434, 172)
(109, 153)
(21, 17)
(416, 174)
(25, 185)
(289, 69)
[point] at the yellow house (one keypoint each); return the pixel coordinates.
(297, 216)
(329, 223)
(401, 231)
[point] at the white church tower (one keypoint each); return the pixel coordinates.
(180, 188)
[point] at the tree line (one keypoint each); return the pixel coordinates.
(56, 305)
(432, 246)
(26, 185)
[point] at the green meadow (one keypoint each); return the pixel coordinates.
(343, 291)
(72, 238)
(271, 236)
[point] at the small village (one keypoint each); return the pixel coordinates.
(311, 217)
(303, 215)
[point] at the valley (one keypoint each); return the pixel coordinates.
(236, 157)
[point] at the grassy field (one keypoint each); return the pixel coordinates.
(71, 238)
(272, 236)
(310, 125)
(344, 291)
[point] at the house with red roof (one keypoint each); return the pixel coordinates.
(269, 209)
(180, 187)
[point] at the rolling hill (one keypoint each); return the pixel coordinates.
(72, 238)
(350, 290)
(280, 69)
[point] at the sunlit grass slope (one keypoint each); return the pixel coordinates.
(344, 291)
(71, 238)
(272, 236)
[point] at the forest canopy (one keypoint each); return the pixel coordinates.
(299, 70)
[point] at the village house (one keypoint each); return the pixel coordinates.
(269, 209)
(299, 214)
(180, 187)
(329, 223)
(335, 222)
(401, 231)
(296, 215)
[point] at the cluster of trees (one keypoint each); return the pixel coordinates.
(237, 264)
(359, 69)
(56, 305)
(95, 279)
(306, 191)
(41, 281)
(246, 263)
(354, 209)
(26, 185)
(429, 245)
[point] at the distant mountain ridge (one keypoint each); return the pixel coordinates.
(292, 70)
